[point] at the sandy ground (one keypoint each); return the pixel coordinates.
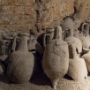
(40, 82)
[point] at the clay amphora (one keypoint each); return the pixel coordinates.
(86, 57)
(85, 39)
(56, 57)
(70, 25)
(73, 40)
(21, 62)
(77, 67)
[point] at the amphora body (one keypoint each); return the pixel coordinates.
(21, 62)
(56, 58)
(77, 67)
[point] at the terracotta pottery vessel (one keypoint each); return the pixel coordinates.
(77, 67)
(70, 25)
(56, 57)
(21, 62)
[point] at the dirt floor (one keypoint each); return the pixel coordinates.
(40, 82)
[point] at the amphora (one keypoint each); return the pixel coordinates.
(21, 62)
(77, 67)
(56, 57)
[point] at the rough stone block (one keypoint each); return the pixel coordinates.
(17, 19)
(7, 9)
(5, 19)
(24, 2)
(29, 10)
(19, 10)
(8, 2)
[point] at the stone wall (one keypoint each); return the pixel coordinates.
(17, 14)
(23, 15)
(82, 8)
